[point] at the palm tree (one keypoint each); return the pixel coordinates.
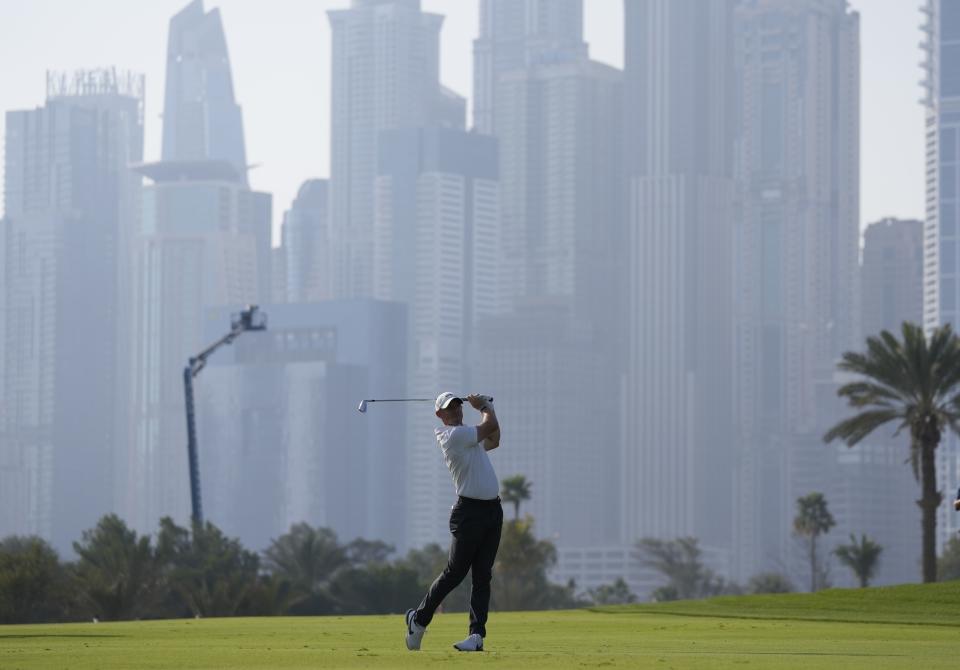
(813, 519)
(34, 586)
(680, 561)
(914, 383)
(515, 490)
(306, 556)
(119, 572)
(862, 557)
(209, 574)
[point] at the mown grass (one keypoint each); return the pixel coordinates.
(900, 627)
(908, 604)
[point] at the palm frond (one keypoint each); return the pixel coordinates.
(884, 363)
(857, 427)
(881, 370)
(861, 393)
(917, 358)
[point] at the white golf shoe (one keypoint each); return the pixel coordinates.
(414, 631)
(473, 643)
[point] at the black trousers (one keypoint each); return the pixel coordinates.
(476, 526)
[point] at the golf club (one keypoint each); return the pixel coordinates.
(363, 403)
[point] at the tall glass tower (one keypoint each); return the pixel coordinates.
(385, 75)
(201, 119)
(203, 241)
(941, 285)
(678, 75)
(796, 250)
(71, 203)
(515, 34)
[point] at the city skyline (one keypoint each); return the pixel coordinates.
(293, 79)
(654, 269)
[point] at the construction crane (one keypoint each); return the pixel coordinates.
(248, 319)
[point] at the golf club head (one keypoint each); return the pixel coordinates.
(363, 407)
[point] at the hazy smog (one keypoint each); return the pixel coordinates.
(649, 229)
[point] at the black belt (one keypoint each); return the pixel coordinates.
(478, 501)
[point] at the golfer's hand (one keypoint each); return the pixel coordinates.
(478, 402)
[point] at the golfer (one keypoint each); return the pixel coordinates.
(475, 520)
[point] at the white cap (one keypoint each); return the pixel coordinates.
(444, 400)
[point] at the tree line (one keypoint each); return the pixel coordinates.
(680, 560)
(200, 572)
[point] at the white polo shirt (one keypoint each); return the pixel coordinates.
(468, 462)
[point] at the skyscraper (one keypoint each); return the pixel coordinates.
(558, 125)
(386, 75)
(435, 249)
(941, 239)
(891, 275)
(557, 118)
(204, 241)
(201, 119)
(306, 243)
(195, 250)
(678, 74)
(71, 203)
(796, 246)
(515, 34)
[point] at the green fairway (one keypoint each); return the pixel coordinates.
(900, 627)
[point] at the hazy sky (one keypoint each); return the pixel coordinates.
(280, 52)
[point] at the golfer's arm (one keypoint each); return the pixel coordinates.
(488, 423)
(490, 444)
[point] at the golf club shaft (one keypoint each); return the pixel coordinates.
(363, 403)
(488, 398)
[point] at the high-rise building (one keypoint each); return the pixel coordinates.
(204, 241)
(553, 353)
(195, 250)
(559, 131)
(515, 34)
(306, 244)
(891, 277)
(516, 37)
(941, 235)
(385, 75)
(278, 270)
(281, 441)
(201, 119)
(71, 203)
(677, 445)
(435, 249)
(796, 252)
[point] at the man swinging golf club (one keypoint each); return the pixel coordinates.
(475, 520)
